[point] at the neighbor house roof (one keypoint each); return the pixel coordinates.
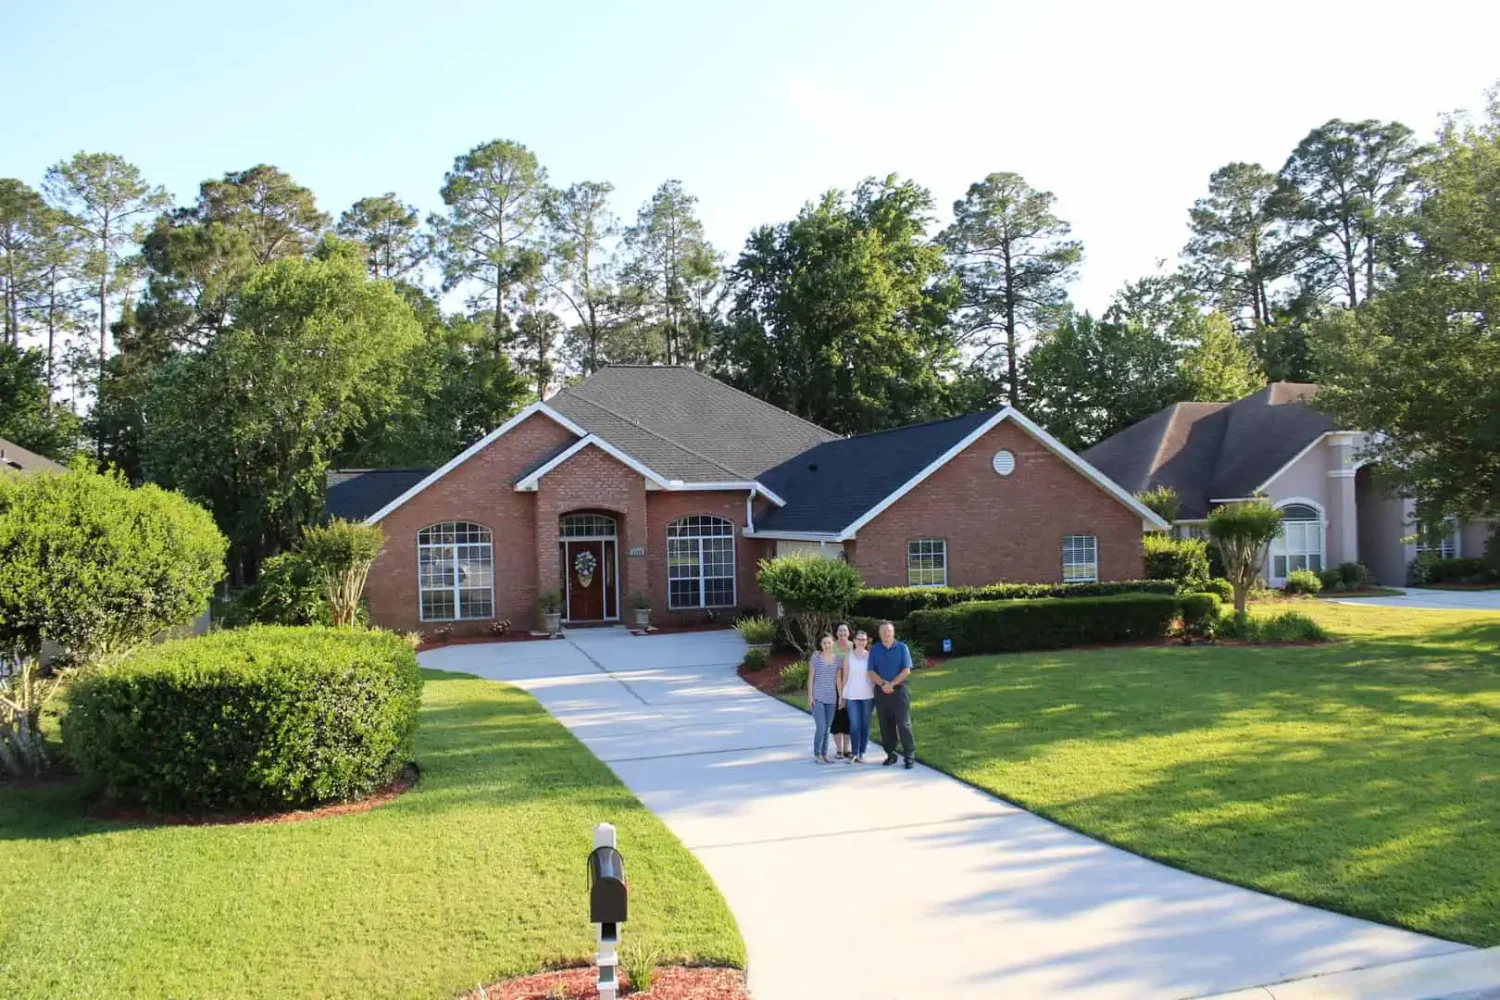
(1214, 451)
(14, 458)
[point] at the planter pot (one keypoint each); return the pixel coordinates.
(553, 621)
(642, 617)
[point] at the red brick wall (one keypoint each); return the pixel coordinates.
(481, 490)
(1001, 527)
(663, 507)
(591, 480)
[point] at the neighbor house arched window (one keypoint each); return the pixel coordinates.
(700, 562)
(456, 571)
(1300, 544)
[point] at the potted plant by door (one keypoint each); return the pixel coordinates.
(641, 601)
(550, 604)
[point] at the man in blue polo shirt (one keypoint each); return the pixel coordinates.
(890, 666)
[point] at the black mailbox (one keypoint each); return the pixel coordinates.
(607, 889)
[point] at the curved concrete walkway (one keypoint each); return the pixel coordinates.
(901, 885)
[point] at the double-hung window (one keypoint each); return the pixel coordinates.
(700, 562)
(927, 562)
(455, 571)
(1080, 558)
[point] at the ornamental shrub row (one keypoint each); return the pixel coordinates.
(1049, 623)
(255, 719)
(1429, 569)
(896, 603)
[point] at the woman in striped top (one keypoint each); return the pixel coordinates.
(823, 693)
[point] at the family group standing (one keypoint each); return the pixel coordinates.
(848, 680)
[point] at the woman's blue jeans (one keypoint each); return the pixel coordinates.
(823, 717)
(859, 723)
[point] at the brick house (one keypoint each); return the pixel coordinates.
(662, 481)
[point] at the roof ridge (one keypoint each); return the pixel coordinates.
(762, 402)
(923, 423)
(643, 428)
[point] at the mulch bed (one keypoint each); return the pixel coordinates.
(668, 983)
(135, 814)
(470, 640)
(766, 679)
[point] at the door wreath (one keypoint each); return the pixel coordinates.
(585, 565)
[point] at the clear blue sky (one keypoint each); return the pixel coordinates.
(1120, 109)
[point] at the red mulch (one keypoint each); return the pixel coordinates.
(669, 983)
(768, 677)
(674, 629)
(468, 640)
(135, 814)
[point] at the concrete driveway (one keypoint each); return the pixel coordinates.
(1441, 600)
(866, 881)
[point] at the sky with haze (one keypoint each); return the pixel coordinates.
(1121, 109)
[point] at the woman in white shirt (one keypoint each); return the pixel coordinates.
(859, 695)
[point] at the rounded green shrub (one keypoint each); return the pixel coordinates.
(250, 720)
(1184, 560)
(1302, 581)
(757, 630)
(1201, 614)
(793, 677)
(1222, 587)
(755, 658)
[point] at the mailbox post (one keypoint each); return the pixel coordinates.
(607, 906)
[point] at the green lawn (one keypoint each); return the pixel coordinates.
(477, 874)
(1362, 775)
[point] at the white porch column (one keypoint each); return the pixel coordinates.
(1342, 541)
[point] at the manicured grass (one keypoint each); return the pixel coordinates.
(475, 875)
(1361, 775)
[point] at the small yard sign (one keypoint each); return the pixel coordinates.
(947, 645)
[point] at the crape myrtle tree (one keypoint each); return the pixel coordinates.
(1243, 532)
(96, 567)
(816, 592)
(341, 553)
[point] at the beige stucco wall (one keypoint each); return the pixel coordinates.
(1472, 538)
(1384, 524)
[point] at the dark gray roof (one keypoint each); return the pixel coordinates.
(830, 486)
(685, 425)
(14, 458)
(355, 494)
(1213, 451)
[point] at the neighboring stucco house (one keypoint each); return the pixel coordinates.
(660, 480)
(14, 458)
(1272, 443)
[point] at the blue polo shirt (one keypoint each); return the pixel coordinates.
(888, 663)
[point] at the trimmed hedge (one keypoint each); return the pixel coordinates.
(1049, 623)
(255, 719)
(1427, 569)
(896, 603)
(1200, 614)
(1184, 560)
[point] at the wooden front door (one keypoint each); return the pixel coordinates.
(586, 568)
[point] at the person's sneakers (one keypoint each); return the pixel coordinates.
(910, 763)
(890, 759)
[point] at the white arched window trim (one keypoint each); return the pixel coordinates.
(1302, 544)
(455, 571)
(700, 562)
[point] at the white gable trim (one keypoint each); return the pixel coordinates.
(793, 536)
(530, 482)
(1149, 517)
(473, 450)
(683, 486)
(1295, 459)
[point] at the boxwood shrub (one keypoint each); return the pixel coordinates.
(896, 603)
(1200, 614)
(250, 720)
(1048, 623)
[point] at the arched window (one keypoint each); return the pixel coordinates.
(586, 526)
(456, 571)
(700, 562)
(1300, 544)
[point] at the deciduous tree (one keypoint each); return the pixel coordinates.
(840, 315)
(1218, 367)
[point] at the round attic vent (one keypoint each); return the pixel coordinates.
(1004, 462)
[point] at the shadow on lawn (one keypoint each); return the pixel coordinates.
(501, 747)
(1360, 776)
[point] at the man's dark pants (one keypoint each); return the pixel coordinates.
(894, 711)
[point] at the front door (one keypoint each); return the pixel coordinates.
(585, 569)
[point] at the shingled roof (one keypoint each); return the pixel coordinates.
(830, 486)
(14, 458)
(355, 494)
(1213, 451)
(685, 425)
